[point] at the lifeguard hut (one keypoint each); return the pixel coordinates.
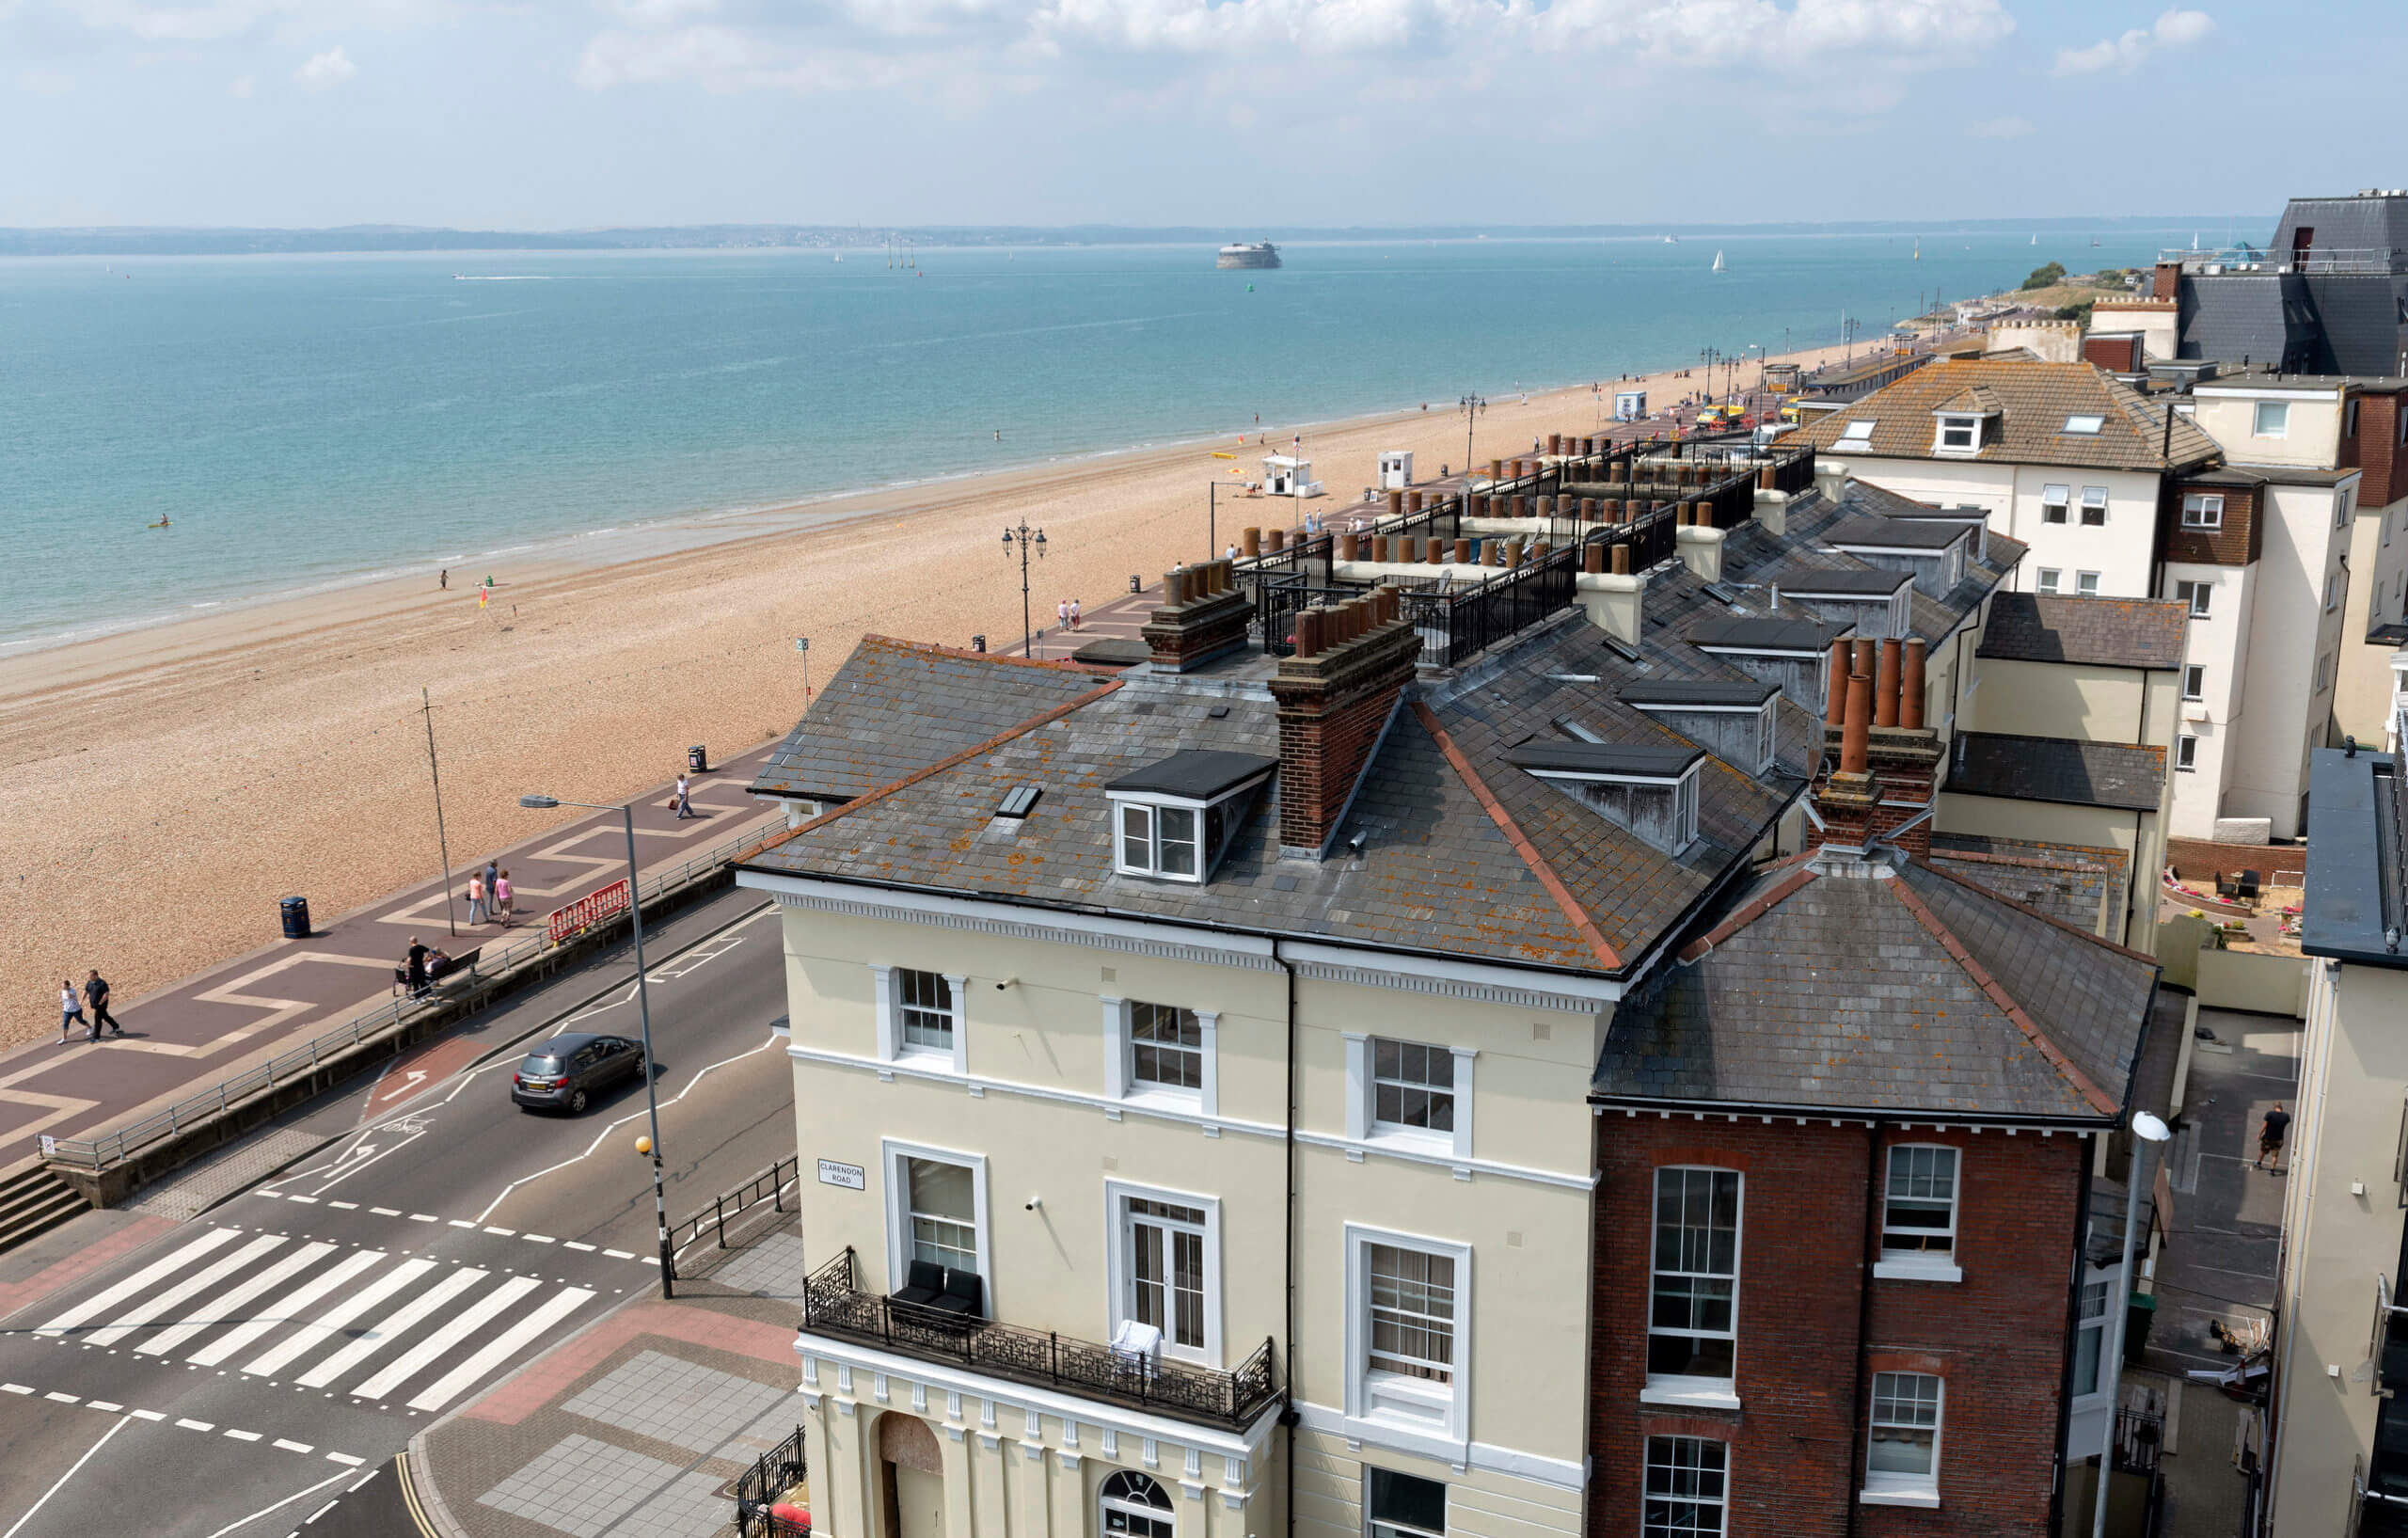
(1285, 475)
(1396, 469)
(1630, 404)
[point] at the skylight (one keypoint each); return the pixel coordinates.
(1018, 801)
(2086, 424)
(1858, 433)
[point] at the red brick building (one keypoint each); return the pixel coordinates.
(1845, 1149)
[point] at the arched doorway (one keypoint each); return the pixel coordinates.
(910, 1476)
(1134, 1506)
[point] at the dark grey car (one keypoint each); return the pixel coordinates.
(567, 1071)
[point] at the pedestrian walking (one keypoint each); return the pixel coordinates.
(1074, 613)
(493, 874)
(476, 899)
(684, 807)
(2269, 1136)
(71, 1008)
(414, 970)
(1062, 613)
(443, 577)
(504, 898)
(96, 994)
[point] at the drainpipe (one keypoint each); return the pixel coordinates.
(1289, 1415)
(1859, 1404)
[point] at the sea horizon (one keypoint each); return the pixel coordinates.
(315, 422)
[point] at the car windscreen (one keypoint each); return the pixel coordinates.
(540, 1064)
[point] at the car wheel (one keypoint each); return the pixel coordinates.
(576, 1102)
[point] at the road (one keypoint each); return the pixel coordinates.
(237, 1371)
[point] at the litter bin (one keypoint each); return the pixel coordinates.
(296, 917)
(2137, 1320)
(697, 760)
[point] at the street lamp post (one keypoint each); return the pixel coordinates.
(643, 1013)
(1024, 538)
(2147, 1132)
(1212, 521)
(1471, 406)
(802, 647)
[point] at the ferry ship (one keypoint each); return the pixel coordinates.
(1260, 253)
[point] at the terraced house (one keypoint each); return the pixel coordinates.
(1286, 1087)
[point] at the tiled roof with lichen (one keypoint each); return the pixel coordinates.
(2032, 402)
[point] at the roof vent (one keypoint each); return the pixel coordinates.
(1018, 801)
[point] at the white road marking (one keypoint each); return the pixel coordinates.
(573, 1244)
(242, 1522)
(161, 1309)
(381, 1335)
(501, 1349)
(423, 1217)
(618, 1255)
(297, 1196)
(504, 1234)
(460, 1326)
(385, 1212)
(293, 1447)
(78, 1464)
(417, 1077)
(198, 1426)
(344, 1206)
(322, 1511)
(104, 1406)
(63, 1399)
(284, 1309)
(462, 1223)
(345, 1459)
(533, 1238)
(242, 1436)
(146, 1415)
(14, 1389)
(217, 1310)
(310, 1337)
(100, 1303)
(601, 1136)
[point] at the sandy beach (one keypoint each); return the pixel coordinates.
(160, 789)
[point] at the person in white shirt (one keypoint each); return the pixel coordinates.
(71, 1008)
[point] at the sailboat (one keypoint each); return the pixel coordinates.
(1918, 247)
(1670, 241)
(2036, 240)
(1718, 261)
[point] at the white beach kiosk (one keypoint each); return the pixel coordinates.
(1283, 475)
(1630, 404)
(1396, 469)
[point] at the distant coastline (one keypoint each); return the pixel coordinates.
(142, 240)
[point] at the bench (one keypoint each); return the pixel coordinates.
(441, 970)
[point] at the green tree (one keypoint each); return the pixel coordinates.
(2045, 275)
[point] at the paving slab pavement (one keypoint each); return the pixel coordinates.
(200, 1029)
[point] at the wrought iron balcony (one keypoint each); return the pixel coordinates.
(834, 1303)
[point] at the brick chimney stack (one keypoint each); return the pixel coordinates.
(1203, 615)
(1888, 762)
(1336, 693)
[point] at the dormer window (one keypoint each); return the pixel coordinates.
(1958, 435)
(1648, 788)
(1173, 820)
(1732, 719)
(1855, 434)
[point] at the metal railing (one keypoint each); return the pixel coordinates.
(834, 1303)
(764, 1485)
(2138, 1437)
(751, 1209)
(491, 968)
(2314, 259)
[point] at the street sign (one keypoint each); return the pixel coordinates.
(851, 1177)
(586, 911)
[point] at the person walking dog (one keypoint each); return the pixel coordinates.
(96, 994)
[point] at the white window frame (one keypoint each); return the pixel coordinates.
(886, 988)
(1375, 1528)
(1121, 1265)
(2108, 1280)
(1131, 1511)
(2081, 577)
(2198, 598)
(2202, 510)
(2186, 755)
(1890, 1488)
(893, 1157)
(1155, 806)
(1120, 1076)
(2092, 423)
(2048, 581)
(2058, 499)
(2194, 680)
(1851, 438)
(1689, 1388)
(2094, 499)
(1389, 1408)
(1904, 1264)
(1722, 1503)
(2277, 413)
(1361, 1129)
(1956, 421)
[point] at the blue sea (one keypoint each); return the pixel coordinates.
(310, 421)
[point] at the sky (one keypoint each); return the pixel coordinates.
(568, 114)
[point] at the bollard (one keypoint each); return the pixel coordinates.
(1622, 560)
(1350, 546)
(1593, 558)
(1253, 545)
(1463, 552)
(1279, 541)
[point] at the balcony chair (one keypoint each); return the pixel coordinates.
(927, 1284)
(964, 1294)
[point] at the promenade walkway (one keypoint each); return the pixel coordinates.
(195, 1032)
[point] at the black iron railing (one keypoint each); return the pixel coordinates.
(2138, 1437)
(834, 1303)
(733, 1217)
(764, 1485)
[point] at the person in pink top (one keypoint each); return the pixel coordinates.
(476, 899)
(502, 896)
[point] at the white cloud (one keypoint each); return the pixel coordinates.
(2000, 127)
(240, 87)
(2124, 54)
(326, 71)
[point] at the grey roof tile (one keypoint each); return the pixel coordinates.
(2113, 632)
(2054, 769)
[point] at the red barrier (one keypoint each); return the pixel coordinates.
(592, 909)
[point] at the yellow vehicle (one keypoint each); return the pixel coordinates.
(1790, 415)
(1714, 417)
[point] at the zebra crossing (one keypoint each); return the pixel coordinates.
(364, 1322)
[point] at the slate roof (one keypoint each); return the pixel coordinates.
(1198, 772)
(1649, 760)
(2069, 883)
(1894, 533)
(2033, 400)
(896, 707)
(1890, 986)
(1827, 581)
(1795, 633)
(2112, 632)
(2054, 769)
(1740, 691)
